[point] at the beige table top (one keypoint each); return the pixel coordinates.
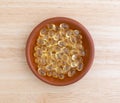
(17, 82)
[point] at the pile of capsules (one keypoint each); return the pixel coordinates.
(59, 51)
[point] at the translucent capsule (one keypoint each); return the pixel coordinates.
(82, 52)
(35, 55)
(65, 50)
(61, 63)
(48, 67)
(46, 38)
(51, 33)
(52, 56)
(43, 49)
(55, 68)
(80, 67)
(36, 61)
(64, 26)
(49, 73)
(66, 68)
(80, 36)
(41, 42)
(61, 43)
(62, 34)
(52, 27)
(71, 73)
(41, 72)
(73, 39)
(58, 55)
(56, 48)
(56, 37)
(64, 57)
(36, 48)
(51, 41)
(43, 61)
(76, 32)
(74, 51)
(61, 76)
(43, 32)
(74, 57)
(79, 41)
(54, 74)
(74, 64)
(59, 69)
(69, 33)
(80, 46)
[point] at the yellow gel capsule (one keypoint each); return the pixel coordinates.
(64, 57)
(71, 73)
(59, 69)
(49, 67)
(36, 60)
(74, 64)
(52, 27)
(82, 52)
(80, 36)
(61, 43)
(35, 55)
(69, 33)
(43, 61)
(36, 48)
(54, 74)
(65, 50)
(58, 55)
(56, 37)
(61, 76)
(43, 49)
(49, 73)
(43, 32)
(74, 57)
(51, 34)
(80, 67)
(66, 68)
(73, 39)
(64, 26)
(41, 42)
(41, 72)
(57, 48)
(76, 32)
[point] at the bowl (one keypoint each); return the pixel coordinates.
(87, 43)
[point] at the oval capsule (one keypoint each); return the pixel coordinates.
(61, 76)
(43, 32)
(71, 73)
(64, 26)
(41, 72)
(80, 67)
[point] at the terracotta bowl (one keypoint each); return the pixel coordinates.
(87, 43)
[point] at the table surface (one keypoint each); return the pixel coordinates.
(17, 82)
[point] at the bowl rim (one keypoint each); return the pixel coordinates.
(91, 45)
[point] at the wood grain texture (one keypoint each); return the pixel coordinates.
(17, 82)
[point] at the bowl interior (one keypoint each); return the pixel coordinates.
(87, 43)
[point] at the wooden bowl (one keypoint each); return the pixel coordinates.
(87, 43)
